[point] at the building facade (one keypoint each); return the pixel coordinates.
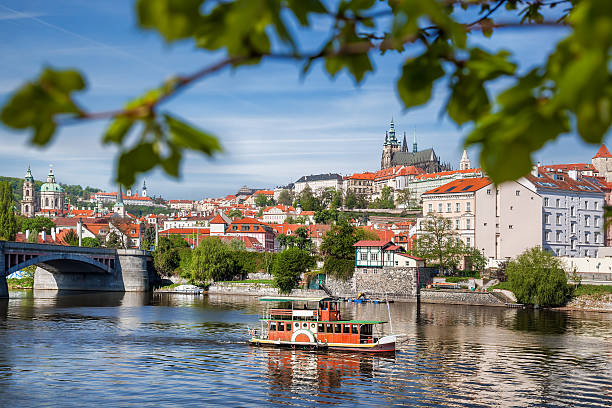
(318, 182)
(29, 203)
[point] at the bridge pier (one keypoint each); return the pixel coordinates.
(3, 287)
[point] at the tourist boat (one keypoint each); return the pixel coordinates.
(319, 328)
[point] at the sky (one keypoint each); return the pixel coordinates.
(274, 125)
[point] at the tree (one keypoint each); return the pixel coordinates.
(385, 200)
(407, 198)
(148, 238)
(90, 242)
(537, 277)
(476, 258)
(288, 267)
(285, 197)
(8, 222)
(569, 91)
(338, 251)
(261, 200)
(113, 241)
(234, 213)
(214, 260)
(350, 201)
(71, 238)
(37, 224)
(438, 242)
(166, 256)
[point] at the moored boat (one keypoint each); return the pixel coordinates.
(319, 327)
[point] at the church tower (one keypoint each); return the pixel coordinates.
(465, 164)
(414, 143)
(391, 146)
(28, 203)
(119, 207)
(144, 188)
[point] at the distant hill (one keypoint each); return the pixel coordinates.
(73, 192)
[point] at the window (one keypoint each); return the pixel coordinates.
(510, 226)
(468, 241)
(596, 238)
(573, 227)
(573, 244)
(457, 224)
(559, 219)
(546, 203)
(587, 237)
(467, 206)
(572, 211)
(329, 328)
(364, 256)
(321, 328)
(430, 208)
(448, 207)
(468, 224)
(346, 329)
(440, 207)
(374, 257)
(558, 203)
(547, 236)
(354, 329)
(587, 220)
(596, 221)
(27, 193)
(596, 205)
(281, 327)
(586, 205)
(517, 192)
(546, 218)
(337, 328)
(558, 236)
(272, 326)
(457, 207)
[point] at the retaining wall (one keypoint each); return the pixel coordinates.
(257, 289)
(459, 297)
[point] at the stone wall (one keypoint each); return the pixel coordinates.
(339, 287)
(257, 289)
(259, 276)
(459, 297)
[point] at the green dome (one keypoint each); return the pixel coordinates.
(53, 187)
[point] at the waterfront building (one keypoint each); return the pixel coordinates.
(375, 254)
(572, 212)
(501, 221)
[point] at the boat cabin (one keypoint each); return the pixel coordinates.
(302, 324)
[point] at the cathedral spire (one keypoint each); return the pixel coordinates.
(414, 142)
(405, 144)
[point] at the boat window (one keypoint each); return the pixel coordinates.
(338, 328)
(328, 328)
(272, 326)
(304, 325)
(321, 328)
(355, 329)
(296, 325)
(288, 326)
(366, 329)
(346, 329)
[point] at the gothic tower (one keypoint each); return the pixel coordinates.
(29, 202)
(144, 188)
(465, 164)
(391, 146)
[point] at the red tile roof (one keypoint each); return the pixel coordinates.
(447, 173)
(461, 186)
(218, 220)
(602, 152)
(361, 176)
(365, 243)
(569, 166)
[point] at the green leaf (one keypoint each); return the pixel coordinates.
(418, 76)
(117, 130)
(302, 8)
(39, 104)
(174, 20)
(468, 100)
(185, 135)
(141, 158)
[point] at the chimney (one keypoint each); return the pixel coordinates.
(573, 174)
(27, 234)
(534, 171)
(53, 233)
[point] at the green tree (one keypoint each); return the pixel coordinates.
(350, 201)
(37, 224)
(537, 277)
(336, 201)
(285, 197)
(385, 200)
(234, 213)
(90, 242)
(288, 267)
(214, 260)
(148, 238)
(338, 251)
(407, 198)
(308, 201)
(71, 238)
(113, 240)
(438, 242)
(261, 200)
(8, 222)
(476, 258)
(166, 256)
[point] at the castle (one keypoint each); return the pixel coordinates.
(49, 200)
(395, 154)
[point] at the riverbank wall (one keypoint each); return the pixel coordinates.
(257, 289)
(460, 297)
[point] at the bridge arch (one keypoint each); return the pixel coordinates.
(63, 263)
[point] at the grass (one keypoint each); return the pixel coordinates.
(501, 285)
(263, 281)
(593, 290)
(23, 283)
(456, 279)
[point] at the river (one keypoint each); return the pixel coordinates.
(131, 349)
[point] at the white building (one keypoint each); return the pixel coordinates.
(426, 182)
(318, 182)
(500, 221)
(572, 213)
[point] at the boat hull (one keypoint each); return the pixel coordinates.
(384, 345)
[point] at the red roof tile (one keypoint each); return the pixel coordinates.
(602, 152)
(461, 186)
(218, 220)
(365, 243)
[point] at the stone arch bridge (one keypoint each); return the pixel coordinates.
(78, 268)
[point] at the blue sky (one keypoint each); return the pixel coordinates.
(274, 125)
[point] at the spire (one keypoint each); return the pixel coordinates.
(391, 138)
(405, 144)
(414, 142)
(465, 164)
(51, 176)
(28, 175)
(602, 152)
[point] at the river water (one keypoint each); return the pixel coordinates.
(116, 349)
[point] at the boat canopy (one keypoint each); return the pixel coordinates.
(294, 299)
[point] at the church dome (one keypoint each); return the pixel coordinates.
(51, 185)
